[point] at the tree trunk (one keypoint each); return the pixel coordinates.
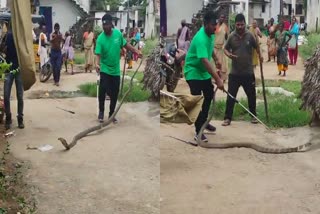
(315, 120)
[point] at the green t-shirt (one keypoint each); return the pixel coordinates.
(109, 49)
(201, 47)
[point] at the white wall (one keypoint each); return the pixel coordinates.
(3, 3)
(272, 10)
(150, 20)
(122, 22)
(63, 12)
(85, 4)
(313, 12)
(178, 10)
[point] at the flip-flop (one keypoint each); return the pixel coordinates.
(226, 122)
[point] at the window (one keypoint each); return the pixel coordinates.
(299, 9)
(263, 8)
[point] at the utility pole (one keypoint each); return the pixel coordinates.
(281, 8)
(128, 19)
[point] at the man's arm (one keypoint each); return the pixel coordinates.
(227, 48)
(227, 33)
(188, 36)
(178, 35)
(215, 76)
(132, 49)
(216, 60)
(98, 63)
(257, 47)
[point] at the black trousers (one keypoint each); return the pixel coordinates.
(108, 85)
(249, 85)
(205, 87)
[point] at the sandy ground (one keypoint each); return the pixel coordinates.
(111, 171)
(236, 181)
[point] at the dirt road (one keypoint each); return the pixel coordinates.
(112, 171)
(239, 181)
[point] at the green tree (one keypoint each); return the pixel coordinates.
(132, 3)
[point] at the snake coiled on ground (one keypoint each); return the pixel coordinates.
(102, 125)
(302, 148)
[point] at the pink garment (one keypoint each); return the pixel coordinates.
(182, 43)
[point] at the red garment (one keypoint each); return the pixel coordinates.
(293, 55)
(286, 25)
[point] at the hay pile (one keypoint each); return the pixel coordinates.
(151, 78)
(310, 93)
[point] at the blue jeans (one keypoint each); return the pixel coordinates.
(56, 62)
(8, 81)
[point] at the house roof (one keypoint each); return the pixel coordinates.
(258, 2)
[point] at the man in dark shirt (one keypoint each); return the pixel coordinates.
(12, 75)
(56, 55)
(239, 48)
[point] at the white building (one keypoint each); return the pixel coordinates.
(66, 13)
(121, 17)
(178, 10)
(313, 15)
(152, 23)
(264, 10)
(3, 3)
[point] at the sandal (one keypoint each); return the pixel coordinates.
(226, 122)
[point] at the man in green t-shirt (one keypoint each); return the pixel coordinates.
(108, 51)
(198, 69)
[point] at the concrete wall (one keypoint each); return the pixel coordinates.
(85, 4)
(151, 28)
(178, 10)
(121, 23)
(122, 16)
(63, 12)
(272, 10)
(3, 3)
(313, 12)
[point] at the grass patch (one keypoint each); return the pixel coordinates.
(137, 94)
(79, 58)
(150, 44)
(307, 50)
(283, 111)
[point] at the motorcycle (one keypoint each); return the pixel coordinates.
(45, 71)
(171, 60)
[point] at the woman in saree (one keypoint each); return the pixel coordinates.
(88, 42)
(293, 44)
(256, 34)
(282, 38)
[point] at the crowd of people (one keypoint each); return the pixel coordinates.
(242, 46)
(102, 53)
(283, 42)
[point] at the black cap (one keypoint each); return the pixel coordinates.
(106, 19)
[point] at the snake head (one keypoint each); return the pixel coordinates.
(305, 147)
(64, 143)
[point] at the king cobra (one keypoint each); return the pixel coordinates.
(102, 125)
(302, 148)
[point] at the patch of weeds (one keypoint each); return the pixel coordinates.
(12, 191)
(137, 94)
(150, 44)
(306, 50)
(283, 111)
(79, 58)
